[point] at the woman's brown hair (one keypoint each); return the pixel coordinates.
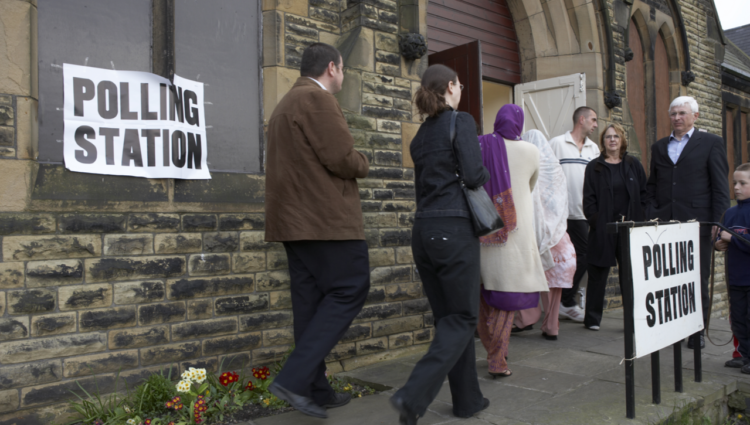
(429, 98)
(623, 139)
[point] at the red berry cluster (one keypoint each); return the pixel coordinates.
(175, 403)
(261, 373)
(198, 408)
(227, 378)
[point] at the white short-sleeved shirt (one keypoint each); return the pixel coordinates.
(574, 163)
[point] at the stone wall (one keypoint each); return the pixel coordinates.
(134, 287)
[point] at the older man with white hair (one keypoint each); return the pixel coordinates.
(688, 180)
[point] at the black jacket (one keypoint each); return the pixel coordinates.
(438, 191)
(598, 205)
(696, 187)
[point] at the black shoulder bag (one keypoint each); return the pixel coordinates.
(484, 215)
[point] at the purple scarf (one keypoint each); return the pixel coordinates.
(508, 125)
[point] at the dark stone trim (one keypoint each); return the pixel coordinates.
(685, 45)
(611, 68)
(728, 79)
(57, 183)
(734, 99)
(223, 187)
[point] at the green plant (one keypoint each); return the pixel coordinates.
(148, 398)
(97, 410)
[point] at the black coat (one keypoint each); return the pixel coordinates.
(438, 191)
(598, 205)
(696, 187)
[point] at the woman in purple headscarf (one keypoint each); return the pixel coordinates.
(511, 268)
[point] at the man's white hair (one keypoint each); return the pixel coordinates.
(685, 100)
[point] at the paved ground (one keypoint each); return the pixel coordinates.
(574, 380)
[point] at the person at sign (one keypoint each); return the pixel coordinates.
(737, 218)
(688, 181)
(445, 249)
(614, 187)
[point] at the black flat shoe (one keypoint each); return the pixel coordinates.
(304, 404)
(549, 337)
(338, 400)
(516, 329)
(485, 404)
(405, 417)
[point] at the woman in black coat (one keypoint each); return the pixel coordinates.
(614, 187)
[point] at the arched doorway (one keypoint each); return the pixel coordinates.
(453, 23)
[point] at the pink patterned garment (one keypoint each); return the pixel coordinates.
(494, 331)
(564, 254)
(506, 208)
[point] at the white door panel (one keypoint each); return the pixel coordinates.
(548, 105)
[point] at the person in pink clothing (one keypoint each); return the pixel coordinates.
(555, 248)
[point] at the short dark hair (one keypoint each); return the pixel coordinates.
(316, 57)
(579, 113)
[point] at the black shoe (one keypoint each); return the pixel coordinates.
(405, 417)
(745, 369)
(737, 362)
(304, 404)
(549, 337)
(485, 404)
(338, 400)
(516, 329)
(691, 345)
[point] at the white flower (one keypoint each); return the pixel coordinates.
(127, 409)
(183, 386)
(131, 422)
(200, 376)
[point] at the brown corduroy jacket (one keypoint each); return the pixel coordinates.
(311, 169)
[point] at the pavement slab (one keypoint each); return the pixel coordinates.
(575, 380)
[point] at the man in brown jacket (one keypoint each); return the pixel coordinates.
(313, 207)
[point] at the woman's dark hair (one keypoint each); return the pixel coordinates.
(429, 98)
(316, 57)
(623, 139)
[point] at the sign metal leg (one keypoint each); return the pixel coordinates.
(697, 358)
(677, 366)
(655, 378)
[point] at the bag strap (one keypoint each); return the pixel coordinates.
(454, 114)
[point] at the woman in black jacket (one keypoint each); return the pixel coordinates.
(445, 249)
(614, 187)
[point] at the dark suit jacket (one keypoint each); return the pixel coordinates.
(696, 187)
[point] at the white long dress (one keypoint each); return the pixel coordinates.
(516, 266)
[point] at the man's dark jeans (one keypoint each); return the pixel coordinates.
(447, 256)
(329, 283)
(578, 230)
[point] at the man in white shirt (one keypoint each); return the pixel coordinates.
(574, 149)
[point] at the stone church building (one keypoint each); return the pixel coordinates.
(104, 274)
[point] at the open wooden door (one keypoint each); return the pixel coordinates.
(466, 60)
(548, 105)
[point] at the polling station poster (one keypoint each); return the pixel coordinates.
(665, 261)
(130, 123)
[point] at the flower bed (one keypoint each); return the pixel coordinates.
(198, 398)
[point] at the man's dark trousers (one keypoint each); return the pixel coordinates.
(330, 281)
(578, 230)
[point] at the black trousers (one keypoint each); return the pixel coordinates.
(578, 230)
(597, 287)
(705, 253)
(446, 253)
(330, 281)
(739, 314)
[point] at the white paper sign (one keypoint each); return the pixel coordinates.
(665, 261)
(131, 123)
